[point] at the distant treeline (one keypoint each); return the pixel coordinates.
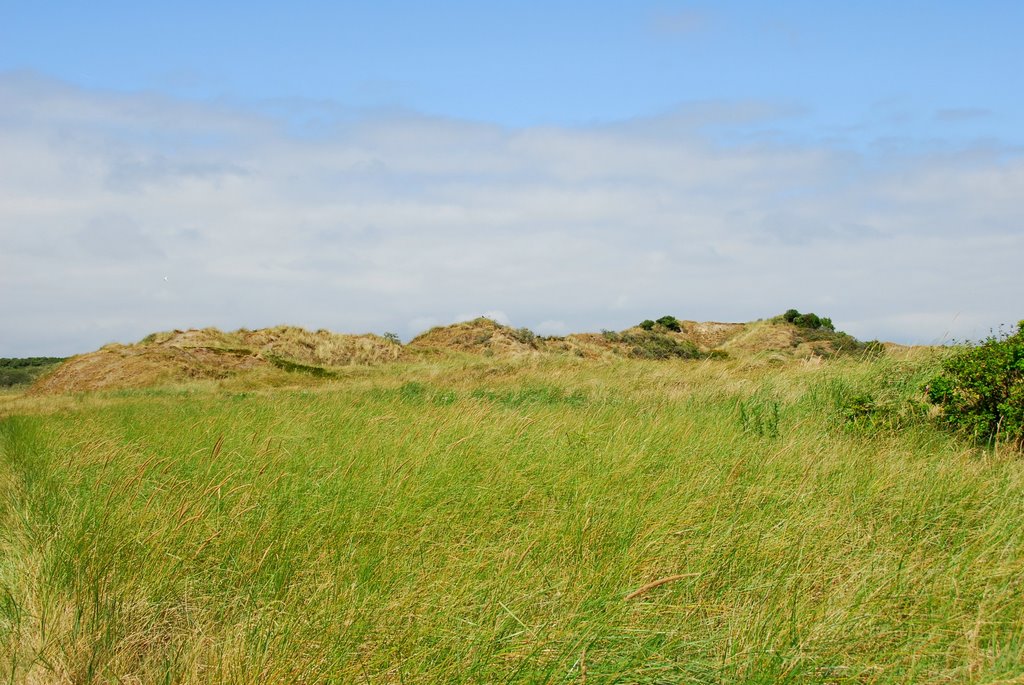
(24, 370)
(26, 362)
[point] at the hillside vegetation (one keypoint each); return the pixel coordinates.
(270, 356)
(16, 372)
(526, 517)
(210, 354)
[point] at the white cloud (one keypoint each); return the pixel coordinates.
(394, 221)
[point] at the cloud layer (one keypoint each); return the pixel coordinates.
(121, 214)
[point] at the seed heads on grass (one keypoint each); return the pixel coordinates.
(643, 590)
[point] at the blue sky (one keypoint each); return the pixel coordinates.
(883, 65)
(372, 162)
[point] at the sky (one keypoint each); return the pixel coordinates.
(565, 166)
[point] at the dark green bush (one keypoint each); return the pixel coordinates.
(844, 342)
(809, 320)
(670, 322)
(647, 324)
(981, 389)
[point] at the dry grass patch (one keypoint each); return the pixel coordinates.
(210, 354)
(479, 336)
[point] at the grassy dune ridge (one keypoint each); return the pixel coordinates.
(485, 520)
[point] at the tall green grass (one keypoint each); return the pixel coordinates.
(486, 521)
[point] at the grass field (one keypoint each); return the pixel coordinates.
(485, 521)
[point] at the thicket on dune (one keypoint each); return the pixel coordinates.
(665, 323)
(980, 390)
(653, 344)
(809, 320)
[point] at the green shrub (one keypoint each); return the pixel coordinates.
(671, 323)
(654, 345)
(525, 336)
(809, 320)
(647, 324)
(981, 389)
(844, 342)
(10, 378)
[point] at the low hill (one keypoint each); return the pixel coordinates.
(209, 353)
(182, 355)
(783, 337)
(686, 339)
(479, 336)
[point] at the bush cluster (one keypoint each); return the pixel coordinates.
(980, 390)
(524, 335)
(654, 344)
(809, 320)
(668, 323)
